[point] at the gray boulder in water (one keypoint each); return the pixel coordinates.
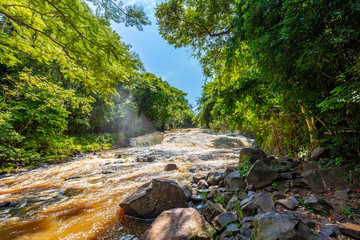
(152, 198)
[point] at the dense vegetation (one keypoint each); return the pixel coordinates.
(285, 71)
(69, 84)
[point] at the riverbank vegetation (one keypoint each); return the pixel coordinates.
(286, 72)
(68, 84)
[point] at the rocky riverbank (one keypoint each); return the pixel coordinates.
(268, 198)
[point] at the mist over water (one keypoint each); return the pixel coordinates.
(80, 199)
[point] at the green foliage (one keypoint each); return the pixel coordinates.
(64, 73)
(218, 198)
(285, 71)
(348, 211)
(244, 166)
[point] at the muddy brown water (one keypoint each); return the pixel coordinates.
(80, 199)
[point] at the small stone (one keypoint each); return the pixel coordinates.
(214, 178)
(109, 171)
(171, 167)
(231, 203)
(211, 210)
(234, 182)
(232, 228)
(222, 219)
(5, 204)
(202, 184)
(118, 155)
(72, 178)
(198, 177)
(287, 203)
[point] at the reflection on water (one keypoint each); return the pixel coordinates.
(79, 199)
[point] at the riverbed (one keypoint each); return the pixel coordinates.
(80, 199)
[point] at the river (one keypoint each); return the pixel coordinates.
(80, 199)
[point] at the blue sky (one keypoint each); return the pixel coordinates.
(175, 66)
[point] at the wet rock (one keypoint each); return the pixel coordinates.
(214, 178)
(109, 171)
(231, 229)
(118, 155)
(234, 182)
(271, 226)
(319, 205)
(230, 169)
(179, 223)
(146, 159)
(289, 204)
(351, 230)
(252, 154)
(153, 198)
(222, 219)
(5, 204)
(171, 167)
(211, 210)
(198, 177)
(72, 178)
(310, 166)
(202, 184)
(257, 173)
(322, 180)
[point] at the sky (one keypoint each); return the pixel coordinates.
(176, 66)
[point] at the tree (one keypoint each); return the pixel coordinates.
(66, 33)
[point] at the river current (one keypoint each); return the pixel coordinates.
(80, 199)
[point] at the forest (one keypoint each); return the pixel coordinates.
(285, 72)
(70, 85)
(281, 71)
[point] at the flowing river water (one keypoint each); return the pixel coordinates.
(80, 199)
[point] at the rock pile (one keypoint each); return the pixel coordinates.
(277, 199)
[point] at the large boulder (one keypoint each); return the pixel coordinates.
(261, 175)
(152, 198)
(234, 182)
(179, 223)
(252, 154)
(271, 226)
(322, 180)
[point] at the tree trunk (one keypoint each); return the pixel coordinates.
(310, 122)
